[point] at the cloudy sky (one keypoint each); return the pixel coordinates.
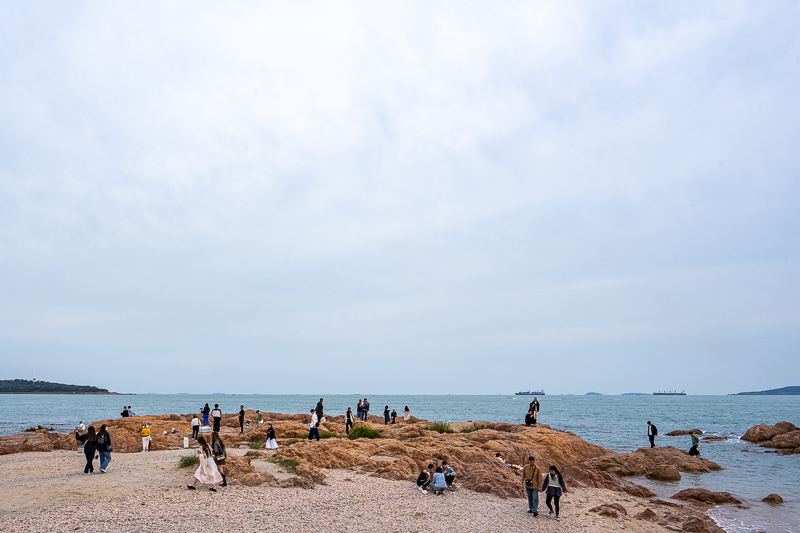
(416, 198)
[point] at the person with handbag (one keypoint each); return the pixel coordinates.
(218, 449)
(531, 481)
(207, 472)
(104, 448)
(554, 487)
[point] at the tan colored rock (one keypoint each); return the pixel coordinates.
(773, 498)
(664, 472)
(648, 514)
(611, 510)
(296, 482)
(310, 472)
(237, 465)
(706, 496)
(257, 478)
(681, 432)
(765, 432)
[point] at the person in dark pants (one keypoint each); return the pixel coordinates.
(206, 410)
(89, 440)
(534, 410)
(195, 427)
(531, 481)
(449, 475)
(314, 430)
(365, 410)
(394, 415)
(318, 409)
(386, 415)
(216, 414)
(348, 420)
(554, 487)
(652, 431)
(241, 419)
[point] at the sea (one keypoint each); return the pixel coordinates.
(615, 422)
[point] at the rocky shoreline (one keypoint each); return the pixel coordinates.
(404, 448)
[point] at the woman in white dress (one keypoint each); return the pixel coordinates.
(207, 472)
(271, 443)
(406, 414)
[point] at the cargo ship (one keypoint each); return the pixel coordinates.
(669, 393)
(530, 393)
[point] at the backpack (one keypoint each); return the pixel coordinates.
(101, 439)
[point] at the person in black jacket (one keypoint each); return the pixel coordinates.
(349, 419)
(89, 440)
(386, 415)
(104, 448)
(652, 431)
(206, 410)
(318, 409)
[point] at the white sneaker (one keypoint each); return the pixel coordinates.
(424, 492)
(558, 519)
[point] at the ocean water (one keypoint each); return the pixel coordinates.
(616, 422)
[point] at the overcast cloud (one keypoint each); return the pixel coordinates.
(415, 198)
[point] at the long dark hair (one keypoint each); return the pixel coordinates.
(558, 474)
(204, 446)
(90, 434)
(102, 430)
(215, 438)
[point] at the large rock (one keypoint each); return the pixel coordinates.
(765, 432)
(701, 524)
(237, 465)
(41, 440)
(706, 497)
(610, 510)
(785, 443)
(680, 432)
(664, 472)
(257, 478)
(773, 498)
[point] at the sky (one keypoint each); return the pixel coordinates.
(404, 198)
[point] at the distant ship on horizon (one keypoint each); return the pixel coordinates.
(669, 393)
(530, 393)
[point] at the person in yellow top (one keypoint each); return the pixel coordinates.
(531, 481)
(145, 438)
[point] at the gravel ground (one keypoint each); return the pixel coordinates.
(146, 492)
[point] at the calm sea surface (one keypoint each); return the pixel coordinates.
(616, 422)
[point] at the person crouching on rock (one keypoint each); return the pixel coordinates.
(694, 450)
(554, 487)
(531, 481)
(424, 479)
(207, 473)
(218, 449)
(89, 440)
(449, 475)
(145, 438)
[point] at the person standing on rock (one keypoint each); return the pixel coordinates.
(314, 430)
(195, 427)
(241, 419)
(365, 409)
(394, 415)
(218, 449)
(349, 419)
(535, 410)
(652, 431)
(406, 414)
(531, 481)
(359, 410)
(104, 448)
(145, 438)
(554, 487)
(206, 410)
(386, 415)
(89, 440)
(207, 473)
(271, 443)
(216, 414)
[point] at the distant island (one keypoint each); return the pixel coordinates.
(773, 392)
(593, 394)
(24, 386)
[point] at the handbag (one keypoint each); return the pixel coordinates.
(109, 448)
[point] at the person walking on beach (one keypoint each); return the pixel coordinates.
(554, 487)
(406, 414)
(531, 481)
(386, 415)
(195, 427)
(359, 410)
(216, 415)
(218, 449)
(207, 473)
(206, 410)
(314, 430)
(349, 419)
(271, 443)
(104, 448)
(145, 438)
(652, 431)
(241, 419)
(365, 409)
(89, 440)
(449, 475)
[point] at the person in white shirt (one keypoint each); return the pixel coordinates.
(81, 426)
(216, 414)
(314, 431)
(195, 427)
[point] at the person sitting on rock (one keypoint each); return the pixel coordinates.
(424, 479)
(439, 482)
(81, 426)
(449, 475)
(259, 417)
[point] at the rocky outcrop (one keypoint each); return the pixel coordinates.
(706, 497)
(680, 432)
(664, 472)
(765, 432)
(678, 518)
(713, 439)
(40, 440)
(257, 478)
(786, 443)
(773, 498)
(611, 510)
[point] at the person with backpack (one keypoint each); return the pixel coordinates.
(554, 487)
(89, 440)
(652, 431)
(104, 448)
(365, 409)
